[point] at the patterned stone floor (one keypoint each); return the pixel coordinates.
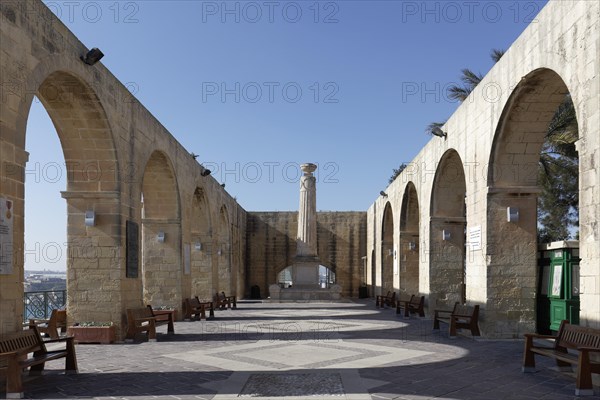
(292, 351)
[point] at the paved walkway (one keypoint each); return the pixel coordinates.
(305, 350)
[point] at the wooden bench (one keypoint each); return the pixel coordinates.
(413, 306)
(141, 320)
(387, 300)
(196, 309)
(221, 301)
(57, 320)
(14, 349)
(462, 316)
(580, 340)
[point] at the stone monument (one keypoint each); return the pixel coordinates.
(305, 270)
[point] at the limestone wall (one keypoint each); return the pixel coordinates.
(103, 129)
(497, 134)
(271, 247)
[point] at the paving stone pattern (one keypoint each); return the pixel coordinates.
(300, 350)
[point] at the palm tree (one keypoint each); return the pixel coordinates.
(471, 79)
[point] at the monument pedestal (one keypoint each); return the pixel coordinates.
(305, 273)
(294, 293)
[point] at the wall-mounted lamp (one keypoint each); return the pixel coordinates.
(160, 237)
(219, 252)
(198, 246)
(90, 218)
(92, 56)
(438, 132)
(445, 235)
(512, 214)
(384, 194)
(412, 246)
(205, 172)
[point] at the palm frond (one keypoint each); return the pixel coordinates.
(470, 78)
(497, 54)
(459, 93)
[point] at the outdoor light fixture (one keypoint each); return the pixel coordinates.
(92, 56)
(198, 246)
(90, 218)
(384, 194)
(412, 246)
(160, 237)
(206, 172)
(438, 132)
(219, 252)
(512, 214)
(445, 235)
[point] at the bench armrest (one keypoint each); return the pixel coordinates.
(462, 315)
(538, 336)
(443, 311)
(589, 349)
(145, 319)
(38, 321)
(9, 354)
(62, 339)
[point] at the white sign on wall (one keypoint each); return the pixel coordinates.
(475, 238)
(6, 236)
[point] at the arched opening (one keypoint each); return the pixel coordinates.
(224, 249)
(202, 245)
(447, 233)
(161, 234)
(326, 277)
(388, 267)
(89, 251)
(522, 145)
(409, 241)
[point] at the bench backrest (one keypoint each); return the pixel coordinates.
(193, 302)
(417, 302)
(463, 309)
(26, 341)
(136, 313)
(402, 298)
(574, 336)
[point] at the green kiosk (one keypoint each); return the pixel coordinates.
(558, 291)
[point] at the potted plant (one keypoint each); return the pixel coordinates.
(93, 332)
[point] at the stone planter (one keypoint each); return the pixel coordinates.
(93, 334)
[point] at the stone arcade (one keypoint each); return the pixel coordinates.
(412, 240)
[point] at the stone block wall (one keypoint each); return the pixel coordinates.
(271, 247)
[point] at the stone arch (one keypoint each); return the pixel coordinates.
(223, 274)
(92, 174)
(202, 245)
(409, 241)
(447, 233)
(513, 182)
(387, 250)
(161, 233)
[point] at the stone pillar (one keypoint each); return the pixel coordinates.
(305, 271)
(307, 213)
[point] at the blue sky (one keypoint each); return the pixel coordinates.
(256, 88)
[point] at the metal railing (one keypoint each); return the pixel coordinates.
(40, 304)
